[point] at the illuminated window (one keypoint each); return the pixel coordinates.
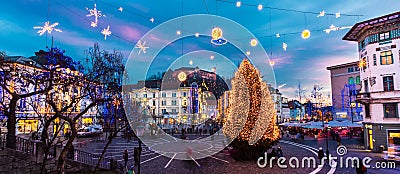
(351, 80)
(358, 81)
(384, 36)
(390, 110)
(388, 84)
(386, 57)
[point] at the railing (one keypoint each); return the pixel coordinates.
(25, 145)
(90, 159)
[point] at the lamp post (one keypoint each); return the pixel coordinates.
(139, 133)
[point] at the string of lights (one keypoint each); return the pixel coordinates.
(261, 6)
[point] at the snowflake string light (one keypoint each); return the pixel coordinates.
(142, 47)
(120, 9)
(151, 20)
(47, 28)
(322, 13)
(96, 13)
(284, 46)
(334, 28)
(106, 32)
(277, 35)
(337, 15)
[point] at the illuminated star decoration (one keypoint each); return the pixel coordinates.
(121, 9)
(216, 35)
(337, 15)
(142, 47)
(47, 28)
(284, 46)
(106, 32)
(334, 28)
(151, 20)
(278, 35)
(94, 12)
(322, 13)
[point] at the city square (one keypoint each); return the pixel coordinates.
(212, 86)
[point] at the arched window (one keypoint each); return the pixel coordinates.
(358, 81)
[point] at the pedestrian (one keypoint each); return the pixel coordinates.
(320, 155)
(136, 155)
(338, 139)
(279, 152)
(126, 157)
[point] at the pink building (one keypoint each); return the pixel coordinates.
(344, 79)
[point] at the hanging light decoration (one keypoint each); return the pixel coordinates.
(284, 46)
(182, 76)
(305, 34)
(216, 36)
(253, 42)
(321, 14)
(178, 32)
(260, 7)
(337, 15)
(238, 4)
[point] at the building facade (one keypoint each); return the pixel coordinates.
(345, 83)
(379, 60)
(31, 111)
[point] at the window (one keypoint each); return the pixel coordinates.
(164, 111)
(390, 110)
(358, 81)
(357, 68)
(351, 80)
(374, 59)
(174, 94)
(144, 95)
(351, 69)
(173, 110)
(384, 36)
(367, 111)
(163, 103)
(164, 94)
(184, 94)
(386, 57)
(388, 84)
(154, 103)
(154, 95)
(173, 102)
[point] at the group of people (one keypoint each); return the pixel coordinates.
(136, 156)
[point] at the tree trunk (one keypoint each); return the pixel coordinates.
(65, 150)
(11, 121)
(110, 138)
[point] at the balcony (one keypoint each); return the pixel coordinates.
(363, 98)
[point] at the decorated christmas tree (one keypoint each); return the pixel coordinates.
(251, 115)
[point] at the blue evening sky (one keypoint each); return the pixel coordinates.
(304, 61)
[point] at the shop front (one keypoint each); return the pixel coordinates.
(393, 142)
(26, 126)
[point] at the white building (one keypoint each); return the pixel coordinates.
(378, 45)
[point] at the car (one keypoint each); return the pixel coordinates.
(85, 132)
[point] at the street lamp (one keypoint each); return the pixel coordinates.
(139, 133)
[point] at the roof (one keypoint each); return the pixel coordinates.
(342, 65)
(353, 34)
(23, 60)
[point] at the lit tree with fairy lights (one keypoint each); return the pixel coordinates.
(250, 97)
